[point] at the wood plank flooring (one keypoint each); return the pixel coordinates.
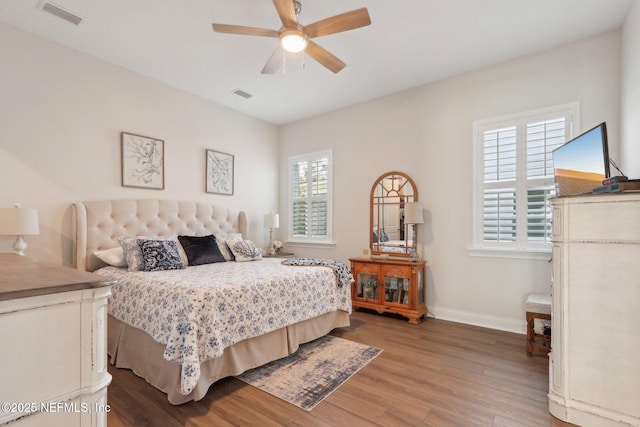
(437, 374)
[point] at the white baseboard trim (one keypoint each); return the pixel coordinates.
(501, 323)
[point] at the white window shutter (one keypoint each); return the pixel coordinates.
(515, 177)
(310, 197)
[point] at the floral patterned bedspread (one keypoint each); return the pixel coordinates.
(199, 311)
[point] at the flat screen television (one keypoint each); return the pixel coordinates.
(581, 164)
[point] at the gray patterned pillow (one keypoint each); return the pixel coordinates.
(244, 250)
(133, 253)
(160, 255)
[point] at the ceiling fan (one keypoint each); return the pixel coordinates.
(296, 38)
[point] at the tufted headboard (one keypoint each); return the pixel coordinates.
(98, 224)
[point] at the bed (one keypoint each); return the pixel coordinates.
(182, 332)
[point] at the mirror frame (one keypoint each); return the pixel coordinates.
(372, 202)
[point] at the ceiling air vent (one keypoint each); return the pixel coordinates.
(242, 93)
(61, 13)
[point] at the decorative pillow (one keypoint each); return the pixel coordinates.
(133, 253)
(113, 256)
(160, 255)
(224, 248)
(244, 250)
(201, 250)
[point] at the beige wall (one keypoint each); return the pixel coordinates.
(630, 144)
(61, 114)
(426, 132)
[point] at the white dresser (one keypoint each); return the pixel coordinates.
(53, 360)
(595, 358)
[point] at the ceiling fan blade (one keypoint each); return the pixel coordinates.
(273, 64)
(286, 12)
(324, 57)
(336, 24)
(247, 31)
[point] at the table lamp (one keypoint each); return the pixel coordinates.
(413, 217)
(19, 222)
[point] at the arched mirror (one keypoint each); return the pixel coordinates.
(390, 232)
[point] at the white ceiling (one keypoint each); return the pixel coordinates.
(409, 43)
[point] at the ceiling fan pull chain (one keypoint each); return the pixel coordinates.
(304, 57)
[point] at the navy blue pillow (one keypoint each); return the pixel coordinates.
(201, 250)
(160, 255)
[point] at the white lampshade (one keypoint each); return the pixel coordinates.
(413, 213)
(293, 41)
(271, 220)
(18, 222)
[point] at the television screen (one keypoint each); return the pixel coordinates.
(581, 164)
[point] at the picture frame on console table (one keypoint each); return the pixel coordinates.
(219, 173)
(142, 161)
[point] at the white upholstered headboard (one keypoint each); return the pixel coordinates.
(98, 224)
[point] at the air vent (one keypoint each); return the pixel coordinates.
(61, 13)
(242, 93)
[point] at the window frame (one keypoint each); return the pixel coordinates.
(310, 240)
(521, 247)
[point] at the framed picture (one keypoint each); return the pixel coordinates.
(219, 173)
(142, 161)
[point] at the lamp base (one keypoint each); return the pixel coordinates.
(19, 246)
(270, 250)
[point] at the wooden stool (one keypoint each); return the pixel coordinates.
(538, 306)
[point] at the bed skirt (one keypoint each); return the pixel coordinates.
(134, 349)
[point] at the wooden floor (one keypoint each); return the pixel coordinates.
(437, 373)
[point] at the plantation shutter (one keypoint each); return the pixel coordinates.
(319, 191)
(299, 191)
(499, 172)
(310, 197)
(542, 138)
(515, 178)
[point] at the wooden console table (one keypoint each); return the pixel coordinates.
(389, 285)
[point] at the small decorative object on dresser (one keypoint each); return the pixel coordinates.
(276, 247)
(389, 285)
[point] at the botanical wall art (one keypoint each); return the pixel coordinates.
(219, 173)
(142, 161)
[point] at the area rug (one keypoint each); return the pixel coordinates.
(306, 377)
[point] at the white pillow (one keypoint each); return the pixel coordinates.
(113, 256)
(244, 250)
(221, 239)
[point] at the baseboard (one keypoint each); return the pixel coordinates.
(493, 322)
(585, 414)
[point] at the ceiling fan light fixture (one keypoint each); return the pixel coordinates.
(293, 41)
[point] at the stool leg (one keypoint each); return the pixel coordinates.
(530, 334)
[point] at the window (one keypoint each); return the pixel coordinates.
(514, 178)
(310, 197)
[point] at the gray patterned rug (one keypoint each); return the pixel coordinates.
(312, 373)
